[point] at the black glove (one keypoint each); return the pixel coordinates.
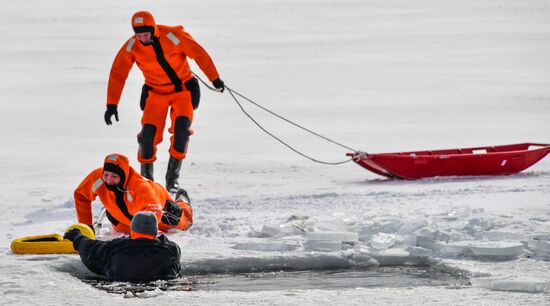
(172, 213)
(218, 84)
(111, 110)
(72, 234)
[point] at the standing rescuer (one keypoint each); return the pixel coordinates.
(161, 53)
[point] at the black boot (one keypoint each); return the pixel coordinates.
(173, 174)
(182, 195)
(147, 171)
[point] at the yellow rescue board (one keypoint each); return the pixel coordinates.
(49, 244)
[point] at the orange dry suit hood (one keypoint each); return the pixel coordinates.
(143, 21)
(119, 164)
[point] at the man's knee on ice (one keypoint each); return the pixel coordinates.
(147, 141)
(181, 133)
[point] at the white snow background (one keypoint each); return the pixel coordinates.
(379, 76)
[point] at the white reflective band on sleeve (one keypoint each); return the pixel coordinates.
(130, 45)
(138, 20)
(129, 196)
(173, 38)
(97, 184)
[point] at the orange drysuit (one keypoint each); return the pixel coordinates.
(134, 193)
(167, 73)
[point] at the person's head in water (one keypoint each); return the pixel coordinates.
(144, 26)
(116, 168)
(144, 225)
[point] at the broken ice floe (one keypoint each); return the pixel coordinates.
(286, 262)
(486, 250)
(330, 241)
(267, 246)
(458, 234)
(500, 235)
(539, 247)
(386, 240)
(519, 284)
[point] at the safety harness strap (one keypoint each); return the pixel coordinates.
(165, 65)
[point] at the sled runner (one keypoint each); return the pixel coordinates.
(50, 243)
(496, 160)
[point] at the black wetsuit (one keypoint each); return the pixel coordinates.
(125, 259)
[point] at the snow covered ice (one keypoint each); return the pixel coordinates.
(380, 76)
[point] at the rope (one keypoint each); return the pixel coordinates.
(233, 93)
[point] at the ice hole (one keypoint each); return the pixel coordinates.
(383, 277)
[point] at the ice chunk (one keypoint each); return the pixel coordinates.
(500, 235)
(427, 243)
(333, 225)
(406, 240)
(267, 247)
(285, 231)
(409, 228)
(523, 284)
(270, 230)
(497, 249)
(482, 282)
(478, 224)
(388, 226)
(418, 251)
(382, 241)
(539, 247)
(491, 250)
(296, 218)
(455, 235)
(433, 234)
(455, 248)
(362, 258)
(391, 257)
(332, 236)
(330, 241)
(322, 245)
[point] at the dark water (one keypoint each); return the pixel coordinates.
(329, 280)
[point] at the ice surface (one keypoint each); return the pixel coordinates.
(379, 76)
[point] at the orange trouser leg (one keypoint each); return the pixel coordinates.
(152, 123)
(186, 217)
(181, 115)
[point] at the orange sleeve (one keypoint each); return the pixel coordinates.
(146, 200)
(119, 71)
(84, 195)
(193, 50)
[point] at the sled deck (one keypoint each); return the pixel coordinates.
(496, 160)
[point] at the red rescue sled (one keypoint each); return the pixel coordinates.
(497, 160)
